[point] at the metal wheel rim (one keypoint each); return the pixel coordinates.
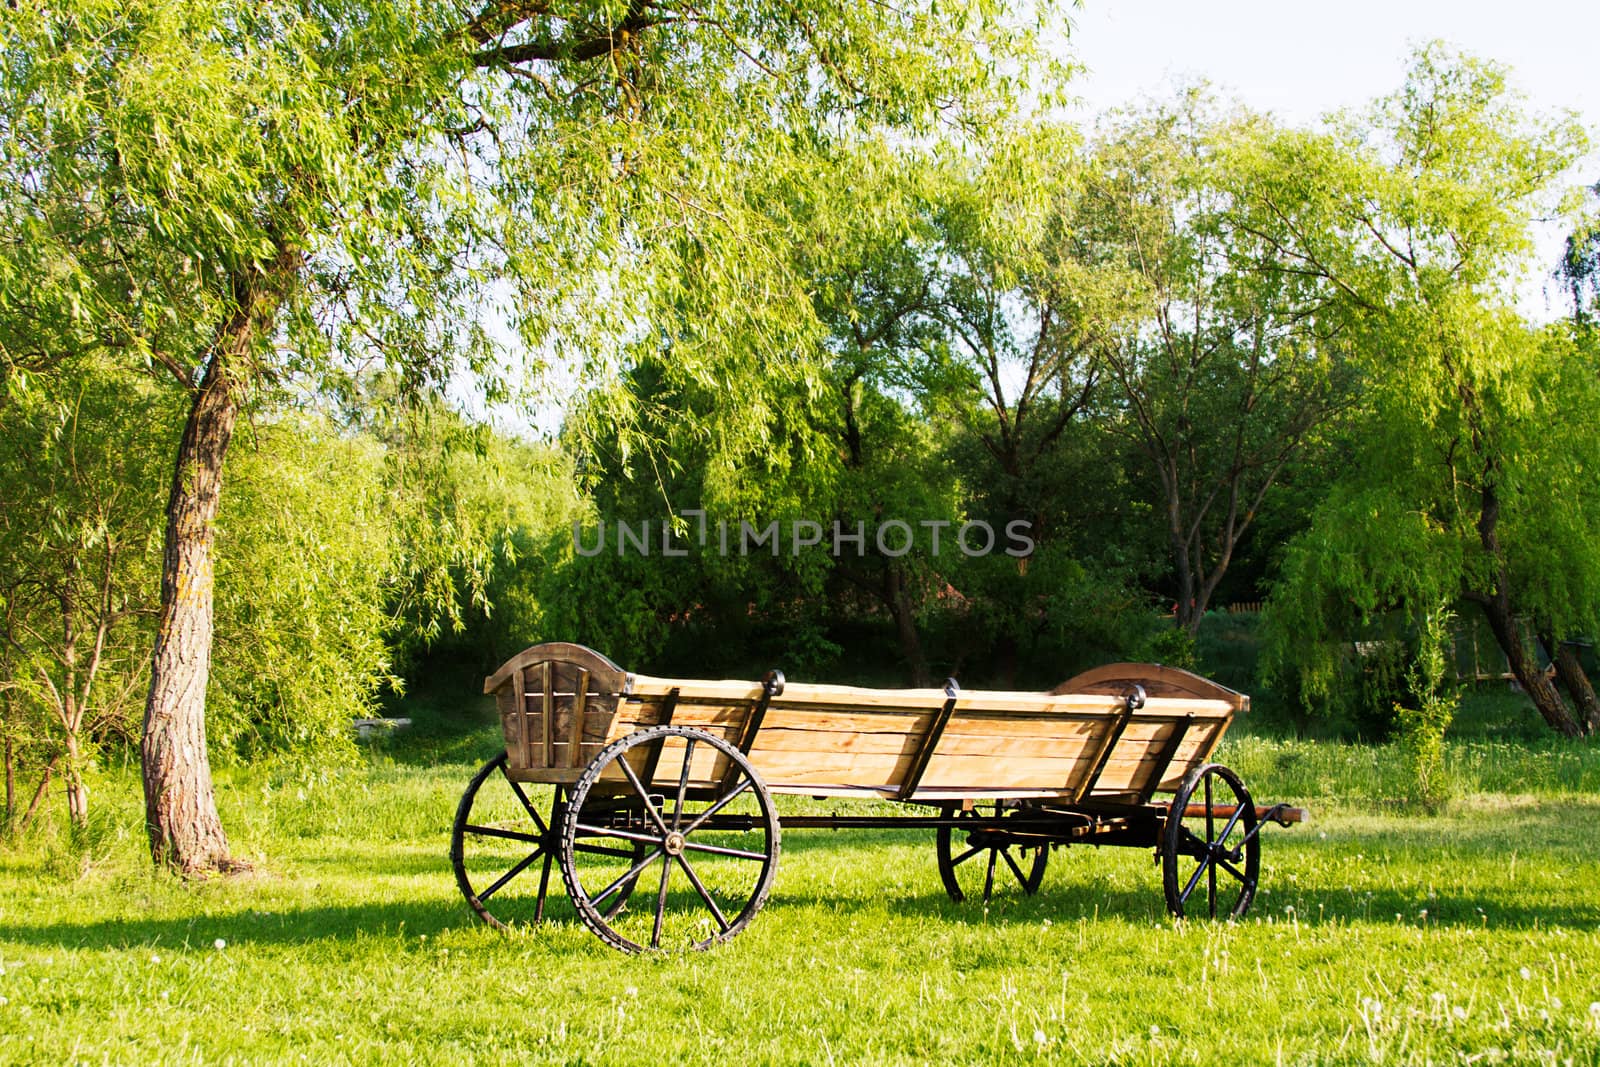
(1232, 843)
(543, 845)
(742, 779)
(1028, 874)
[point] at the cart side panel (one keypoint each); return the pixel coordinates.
(1115, 679)
(1075, 748)
(1152, 765)
(556, 703)
(805, 744)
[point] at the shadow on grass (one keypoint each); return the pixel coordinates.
(1061, 900)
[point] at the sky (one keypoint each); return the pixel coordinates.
(1300, 59)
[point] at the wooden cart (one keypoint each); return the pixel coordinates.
(677, 776)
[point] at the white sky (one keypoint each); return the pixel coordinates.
(1299, 59)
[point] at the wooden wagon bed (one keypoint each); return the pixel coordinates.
(1094, 759)
(561, 704)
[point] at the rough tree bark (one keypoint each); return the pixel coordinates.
(1525, 665)
(1571, 674)
(180, 804)
(1497, 609)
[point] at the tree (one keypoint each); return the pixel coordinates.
(1224, 371)
(1418, 219)
(76, 593)
(225, 193)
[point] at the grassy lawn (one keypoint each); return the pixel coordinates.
(1381, 936)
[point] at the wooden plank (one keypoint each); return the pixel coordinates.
(1158, 682)
(669, 710)
(532, 739)
(548, 703)
(579, 701)
(929, 742)
(609, 676)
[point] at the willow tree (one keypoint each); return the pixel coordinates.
(229, 194)
(1418, 218)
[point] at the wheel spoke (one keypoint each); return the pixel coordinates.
(683, 783)
(1194, 880)
(1251, 834)
(626, 835)
(512, 873)
(1211, 892)
(638, 787)
(694, 880)
(1236, 872)
(601, 850)
(718, 850)
(661, 904)
(509, 835)
(718, 806)
(967, 855)
(988, 878)
(1210, 824)
(544, 884)
(1022, 879)
(516, 787)
(1238, 811)
(1195, 847)
(633, 872)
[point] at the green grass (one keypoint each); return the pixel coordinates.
(1382, 936)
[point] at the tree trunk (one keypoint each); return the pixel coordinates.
(905, 623)
(1571, 673)
(11, 783)
(77, 792)
(180, 805)
(38, 794)
(1502, 620)
(1540, 689)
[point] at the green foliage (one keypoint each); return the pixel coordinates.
(1417, 220)
(79, 542)
(1422, 728)
(1219, 361)
(306, 561)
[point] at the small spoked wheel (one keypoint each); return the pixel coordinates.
(1210, 845)
(988, 858)
(705, 828)
(501, 847)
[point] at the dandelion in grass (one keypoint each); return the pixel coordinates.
(1526, 974)
(219, 944)
(1039, 1037)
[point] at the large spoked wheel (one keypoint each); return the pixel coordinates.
(502, 847)
(710, 828)
(1210, 845)
(985, 860)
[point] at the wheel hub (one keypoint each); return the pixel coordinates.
(673, 844)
